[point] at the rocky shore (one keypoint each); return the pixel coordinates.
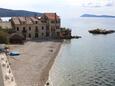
(101, 31)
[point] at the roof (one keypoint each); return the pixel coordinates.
(52, 16)
(28, 21)
(32, 20)
(16, 36)
(15, 20)
(22, 19)
(25, 20)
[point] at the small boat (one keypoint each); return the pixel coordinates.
(14, 53)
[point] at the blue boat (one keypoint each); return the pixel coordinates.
(14, 53)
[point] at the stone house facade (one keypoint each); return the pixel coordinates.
(37, 27)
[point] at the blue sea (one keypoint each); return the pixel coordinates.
(88, 61)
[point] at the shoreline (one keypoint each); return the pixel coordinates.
(56, 57)
(33, 65)
(45, 74)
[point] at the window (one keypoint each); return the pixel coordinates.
(52, 21)
(42, 28)
(52, 28)
(47, 27)
(57, 27)
(58, 33)
(42, 34)
(58, 21)
(36, 22)
(29, 35)
(24, 29)
(36, 35)
(36, 29)
(17, 28)
(29, 28)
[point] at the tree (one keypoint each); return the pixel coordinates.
(3, 37)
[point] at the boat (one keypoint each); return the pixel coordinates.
(14, 53)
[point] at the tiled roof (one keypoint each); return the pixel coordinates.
(15, 20)
(52, 16)
(25, 20)
(22, 19)
(28, 20)
(32, 20)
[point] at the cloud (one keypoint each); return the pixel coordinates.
(109, 4)
(97, 3)
(30, 3)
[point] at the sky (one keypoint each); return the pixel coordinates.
(64, 8)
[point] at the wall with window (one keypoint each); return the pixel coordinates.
(54, 28)
(32, 30)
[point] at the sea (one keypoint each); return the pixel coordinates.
(88, 61)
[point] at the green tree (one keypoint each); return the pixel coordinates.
(3, 37)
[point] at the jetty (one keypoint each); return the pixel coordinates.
(101, 31)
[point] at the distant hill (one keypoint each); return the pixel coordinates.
(11, 13)
(91, 15)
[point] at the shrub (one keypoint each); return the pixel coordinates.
(3, 37)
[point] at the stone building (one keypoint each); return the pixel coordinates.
(5, 24)
(44, 26)
(54, 24)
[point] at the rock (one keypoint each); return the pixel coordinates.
(100, 31)
(72, 37)
(3, 65)
(6, 77)
(47, 83)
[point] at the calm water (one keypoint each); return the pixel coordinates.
(89, 61)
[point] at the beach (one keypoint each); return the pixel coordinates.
(31, 67)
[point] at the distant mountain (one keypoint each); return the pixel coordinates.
(11, 13)
(91, 15)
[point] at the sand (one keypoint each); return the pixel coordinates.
(31, 68)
